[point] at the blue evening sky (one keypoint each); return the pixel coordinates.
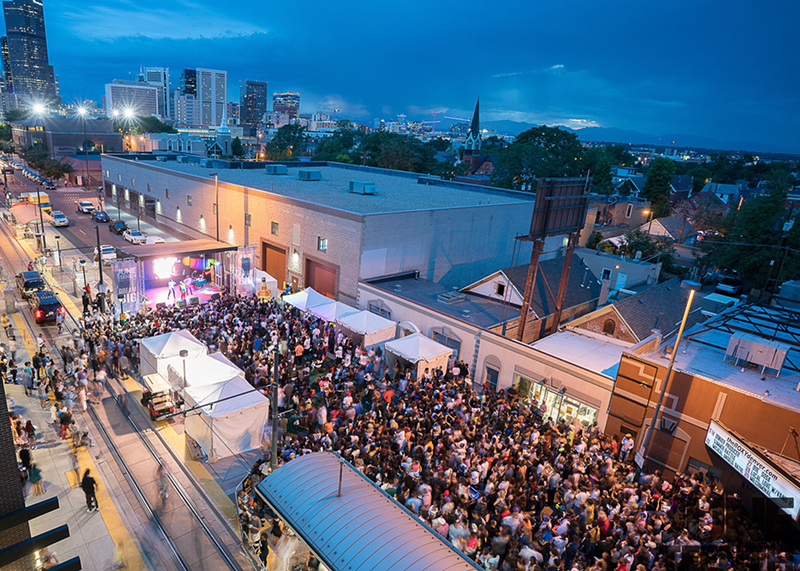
(724, 69)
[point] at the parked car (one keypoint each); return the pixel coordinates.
(85, 207)
(117, 227)
(729, 283)
(49, 185)
(109, 253)
(100, 216)
(45, 306)
(29, 283)
(59, 219)
(134, 237)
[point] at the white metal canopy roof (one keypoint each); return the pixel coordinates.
(362, 530)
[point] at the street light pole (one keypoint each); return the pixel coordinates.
(82, 111)
(648, 437)
(273, 460)
(41, 219)
(58, 248)
(100, 286)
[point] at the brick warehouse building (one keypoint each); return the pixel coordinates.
(327, 225)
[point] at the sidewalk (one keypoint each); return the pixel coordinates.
(95, 537)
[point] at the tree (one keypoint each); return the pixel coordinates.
(597, 164)
(141, 125)
(750, 240)
(237, 149)
(657, 187)
(5, 132)
(618, 155)
(15, 115)
(538, 152)
(395, 151)
(652, 248)
(291, 139)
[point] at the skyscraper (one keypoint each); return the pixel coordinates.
(252, 102)
(30, 71)
(138, 96)
(286, 103)
(158, 77)
(209, 88)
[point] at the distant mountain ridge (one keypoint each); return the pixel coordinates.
(613, 135)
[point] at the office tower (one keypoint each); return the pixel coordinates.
(252, 102)
(7, 81)
(138, 96)
(158, 77)
(233, 112)
(209, 87)
(185, 109)
(30, 71)
(288, 103)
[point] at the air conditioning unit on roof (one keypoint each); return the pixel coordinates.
(309, 174)
(362, 187)
(277, 169)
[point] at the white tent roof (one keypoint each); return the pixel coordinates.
(171, 344)
(417, 347)
(243, 393)
(205, 370)
(332, 311)
(365, 322)
(306, 299)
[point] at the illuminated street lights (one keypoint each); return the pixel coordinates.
(649, 219)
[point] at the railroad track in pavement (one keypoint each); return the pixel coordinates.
(191, 536)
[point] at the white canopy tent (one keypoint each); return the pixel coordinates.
(372, 327)
(203, 370)
(306, 299)
(420, 351)
(157, 353)
(332, 311)
(229, 427)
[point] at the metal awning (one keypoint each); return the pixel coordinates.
(361, 530)
(26, 213)
(175, 249)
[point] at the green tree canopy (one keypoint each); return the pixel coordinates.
(237, 149)
(142, 125)
(291, 139)
(538, 152)
(395, 151)
(16, 115)
(657, 188)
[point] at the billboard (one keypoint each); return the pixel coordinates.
(126, 284)
(754, 468)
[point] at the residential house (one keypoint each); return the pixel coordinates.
(676, 227)
(727, 193)
(617, 214)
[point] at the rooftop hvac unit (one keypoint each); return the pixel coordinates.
(450, 297)
(181, 158)
(309, 174)
(277, 169)
(764, 353)
(362, 187)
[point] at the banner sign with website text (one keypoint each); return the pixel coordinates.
(755, 469)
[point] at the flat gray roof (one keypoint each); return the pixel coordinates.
(396, 191)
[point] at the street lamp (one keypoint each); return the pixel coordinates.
(281, 348)
(648, 436)
(216, 199)
(649, 219)
(83, 267)
(58, 249)
(83, 112)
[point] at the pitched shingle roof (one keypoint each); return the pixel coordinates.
(541, 302)
(663, 303)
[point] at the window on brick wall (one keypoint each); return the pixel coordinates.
(274, 229)
(188, 200)
(167, 191)
(322, 244)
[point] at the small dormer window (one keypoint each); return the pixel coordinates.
(500, 288)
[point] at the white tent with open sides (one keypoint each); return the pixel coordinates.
(372, 327)
(157, 353)
(419, 351)
(232, 419)
(306, 299)
(332, 311)
(203, 370)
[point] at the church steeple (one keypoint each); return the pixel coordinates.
(473, 144)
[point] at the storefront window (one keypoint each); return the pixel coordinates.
(558, 404)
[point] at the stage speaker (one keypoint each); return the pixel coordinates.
(194, 301)
(161, 306)
(215, 296)
(181, 303)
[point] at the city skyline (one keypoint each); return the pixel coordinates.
(683, 71)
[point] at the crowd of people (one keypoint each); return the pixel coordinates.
(497, 476)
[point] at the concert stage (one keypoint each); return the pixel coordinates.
(156, 295)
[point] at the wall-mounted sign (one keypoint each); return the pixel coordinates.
(750, 464)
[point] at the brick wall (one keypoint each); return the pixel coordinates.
(597, 325)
